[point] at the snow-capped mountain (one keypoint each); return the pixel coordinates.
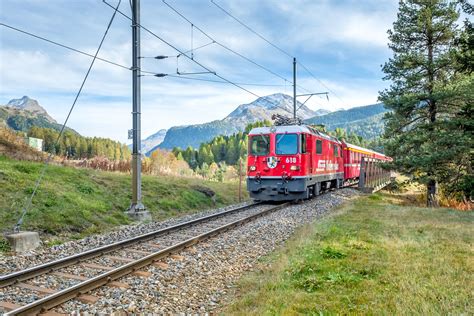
(24, 113)
(264, 107)
(30, 105)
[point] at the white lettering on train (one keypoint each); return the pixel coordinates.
(327, 165)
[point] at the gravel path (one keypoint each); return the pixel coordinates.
(202, 277)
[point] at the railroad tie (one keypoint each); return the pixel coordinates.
(160, 265)
(153, 245)
(177, 257)
(52, 313)
(192, 250)
(140, 252)
(87, 299)
(96, 266)
(7, 306)
(35, 288)
(117, 284)
(143, 274)
(70, 276)
(123, 259)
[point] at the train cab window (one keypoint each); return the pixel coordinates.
(259, 145)
(336, 152)
(286, 144)
(319, 147)
(303, 143)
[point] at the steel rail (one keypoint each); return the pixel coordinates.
(53, 300)
(32, 272)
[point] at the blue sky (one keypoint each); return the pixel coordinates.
(342, 42)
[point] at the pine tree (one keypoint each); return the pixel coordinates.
(421, 68)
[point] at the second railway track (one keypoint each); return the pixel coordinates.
(103, 265)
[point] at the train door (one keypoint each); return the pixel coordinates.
(306, 160)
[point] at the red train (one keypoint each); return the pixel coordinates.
(296, 162)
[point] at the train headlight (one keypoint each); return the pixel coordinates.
(295, 168)
(252, 168)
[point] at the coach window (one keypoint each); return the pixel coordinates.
(259, 145)
(319, 147)
(286, 144)
(335, 151)
(303, 143)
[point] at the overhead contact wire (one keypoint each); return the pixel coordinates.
(192, 59)
(272, 44)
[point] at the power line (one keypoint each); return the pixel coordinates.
(251, 30)
(45, 166)
(222, 45)
(322, 83)
(63, 46)
(188, 51)
(128, 68)
(148, 73)
(274, 45)
(179, 51)
(193, 59)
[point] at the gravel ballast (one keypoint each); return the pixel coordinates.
(203, 278)
(12, 263)
(199, 280)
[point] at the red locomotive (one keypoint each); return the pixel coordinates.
(297, 161)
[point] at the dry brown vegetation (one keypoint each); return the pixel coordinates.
(12, 145)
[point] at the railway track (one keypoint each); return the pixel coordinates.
(104, 265)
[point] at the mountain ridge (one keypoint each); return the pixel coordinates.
(365, 121)
(23, 113)
(260, 109)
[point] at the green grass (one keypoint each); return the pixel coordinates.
(371, 257)
(73, 203)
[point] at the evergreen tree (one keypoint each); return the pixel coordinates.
(421, 68)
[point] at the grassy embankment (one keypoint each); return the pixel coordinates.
(72, 203)
(374, 256)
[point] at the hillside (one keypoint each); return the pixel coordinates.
(22, 114)
(365, 121)
(78, 202)
(259, 110)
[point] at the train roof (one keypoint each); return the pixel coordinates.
(291, 129)
(349, 145)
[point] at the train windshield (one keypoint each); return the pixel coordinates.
(260, 145)
(286, 144)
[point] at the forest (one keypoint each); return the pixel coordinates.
(74, 146)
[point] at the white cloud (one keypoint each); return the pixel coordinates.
(314, 29)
